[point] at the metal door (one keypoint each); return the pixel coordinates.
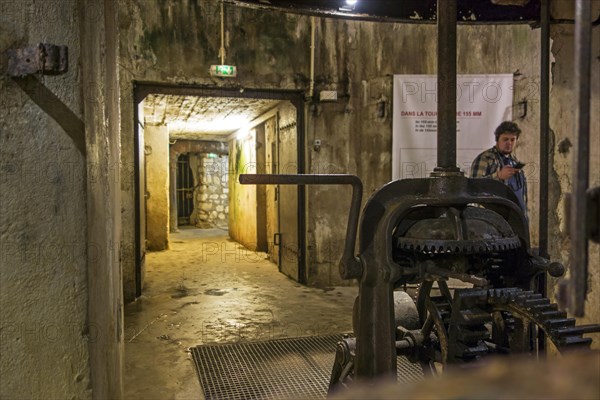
(288, 194)
(272, 167)
(185, 190)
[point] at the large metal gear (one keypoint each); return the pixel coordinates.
(483, 321)
(468, 324)
(451, 230)
(559, 329)
(468, 247)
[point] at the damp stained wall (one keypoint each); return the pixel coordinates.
(563, 139)
(359, 59)
(43, 277)
(60, 288)
(156, 143)
(103, 144)
(176, 43)
(242, 198)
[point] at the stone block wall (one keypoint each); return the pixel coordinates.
(212, 193)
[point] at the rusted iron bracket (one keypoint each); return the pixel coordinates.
(46, 59)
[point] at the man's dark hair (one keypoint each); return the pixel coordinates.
(507, 127)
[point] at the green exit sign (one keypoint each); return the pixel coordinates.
(225, 71)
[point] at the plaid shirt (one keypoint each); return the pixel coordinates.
(487, 164)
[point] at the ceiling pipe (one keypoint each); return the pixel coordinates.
(311, 87)
(222, 49)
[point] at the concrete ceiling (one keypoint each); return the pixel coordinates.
(203, 118)
(468, 11)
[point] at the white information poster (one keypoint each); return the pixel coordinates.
(483, 102)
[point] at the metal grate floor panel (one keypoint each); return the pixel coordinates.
(277, 369)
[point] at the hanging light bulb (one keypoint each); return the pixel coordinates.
(349, 6)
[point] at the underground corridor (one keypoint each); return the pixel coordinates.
(190, 146)
(220, 261)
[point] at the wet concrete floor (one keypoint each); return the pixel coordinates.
(195, 295)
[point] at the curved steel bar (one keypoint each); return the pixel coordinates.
(350, 266)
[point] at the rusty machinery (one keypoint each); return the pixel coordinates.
(426, 231)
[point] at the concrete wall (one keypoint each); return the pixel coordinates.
(156, 143)
(101, 94)
(43, 277)
(562, 123)
(356, 139)
(242, 198)
(59, 215)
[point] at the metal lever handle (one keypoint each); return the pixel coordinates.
(540, 264)
(350, 266)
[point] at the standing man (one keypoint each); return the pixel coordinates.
(500, 164)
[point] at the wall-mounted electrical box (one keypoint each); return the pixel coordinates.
(328, 95)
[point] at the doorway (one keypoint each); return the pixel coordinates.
(287, 241)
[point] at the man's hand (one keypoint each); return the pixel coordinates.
(507, 172)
